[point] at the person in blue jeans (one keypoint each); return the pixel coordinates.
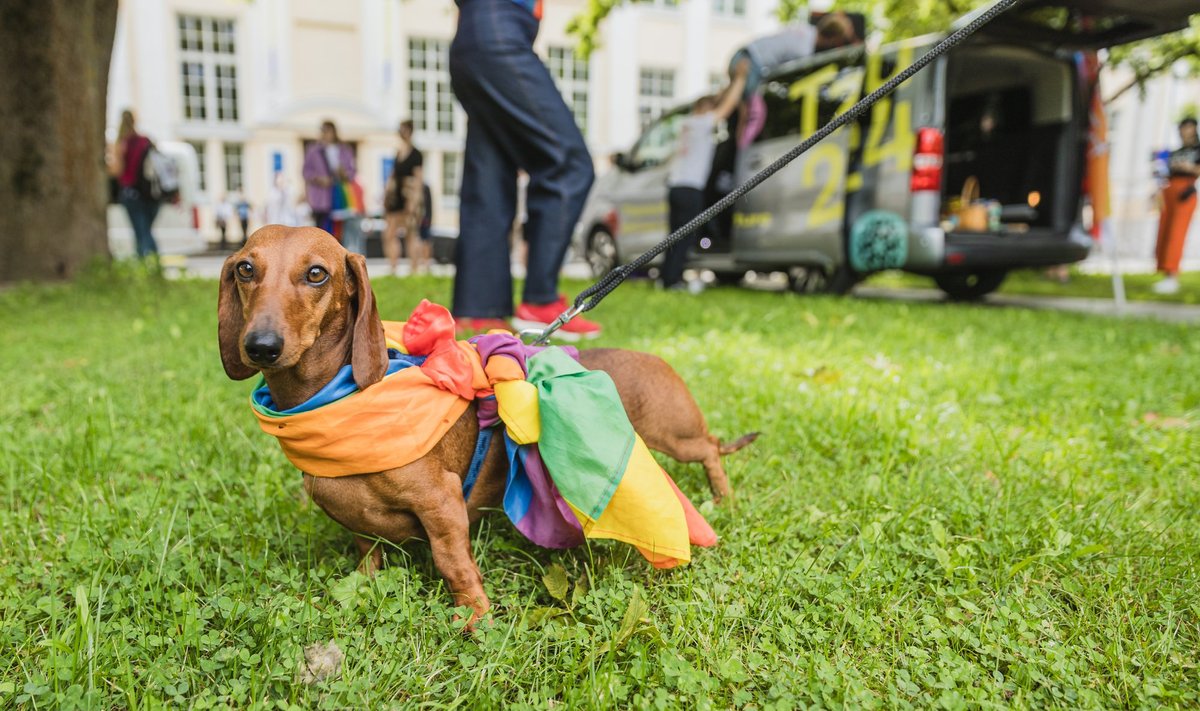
(133, 190)
(516, 120)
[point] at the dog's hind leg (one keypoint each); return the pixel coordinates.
(705, 449)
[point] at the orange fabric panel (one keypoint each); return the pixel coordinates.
(371, 430)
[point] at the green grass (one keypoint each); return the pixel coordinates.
(950, 505)
(1029, 282)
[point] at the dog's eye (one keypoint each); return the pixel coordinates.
(245, 270)
(316, 275)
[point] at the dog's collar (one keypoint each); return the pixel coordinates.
(341, 386)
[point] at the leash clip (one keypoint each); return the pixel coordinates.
(543, 335)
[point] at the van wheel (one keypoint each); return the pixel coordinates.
(728, 278)
(602, 254)
(815, 280)
(970, 287)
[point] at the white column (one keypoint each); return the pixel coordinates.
(120, 78)
(371, 36)
(620, 39)
(156, 81)
(697, 18)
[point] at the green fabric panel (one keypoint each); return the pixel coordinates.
(586, 436)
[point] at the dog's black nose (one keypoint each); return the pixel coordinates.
(263, 347)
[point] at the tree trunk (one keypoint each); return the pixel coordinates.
(53, 87)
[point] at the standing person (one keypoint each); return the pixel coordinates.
(243, 213)
(327, 162)
(1178, 204)
(129, 154)
(278, 210)
(691, 165)
(516, 120)
(425, 246)
(405, 200)
(223, 214)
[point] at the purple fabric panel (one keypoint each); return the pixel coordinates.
(549, 521)
(487, 411)
(494, 344)
(504, 344)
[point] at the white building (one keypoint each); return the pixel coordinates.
(248, 82)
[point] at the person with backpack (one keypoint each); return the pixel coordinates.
(134, 189)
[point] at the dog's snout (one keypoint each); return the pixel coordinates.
(263, 347)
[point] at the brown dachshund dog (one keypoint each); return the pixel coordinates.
(296, 306)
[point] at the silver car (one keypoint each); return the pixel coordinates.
(996, 128)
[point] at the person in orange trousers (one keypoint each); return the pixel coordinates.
(1178, 204)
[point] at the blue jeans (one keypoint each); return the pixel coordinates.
(141, 217)
(516, 119)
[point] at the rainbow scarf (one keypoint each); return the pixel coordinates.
(577, 469)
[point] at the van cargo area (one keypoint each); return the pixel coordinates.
(1013, 123)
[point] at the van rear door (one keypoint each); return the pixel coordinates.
(1087, 24)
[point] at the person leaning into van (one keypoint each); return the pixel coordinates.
(1178, 204)
(133, 191)
(690, 167)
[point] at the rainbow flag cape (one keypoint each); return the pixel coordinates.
(577, 469)
(347, 200)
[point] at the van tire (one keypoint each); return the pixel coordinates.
(814, 280)
(602, 255)
(728, 278)
(971, 286)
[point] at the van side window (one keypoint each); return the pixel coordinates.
(658, 143)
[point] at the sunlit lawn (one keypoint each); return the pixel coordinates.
(952, 505)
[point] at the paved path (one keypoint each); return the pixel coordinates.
(209, 266)
(1177, 313)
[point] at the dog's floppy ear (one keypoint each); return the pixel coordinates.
(368, 357)
(230, 322)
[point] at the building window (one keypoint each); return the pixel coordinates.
(208, 68)
(451, 174)
(571, 75)
(202, 176)
(233, 166)
(656, 93)
(664, 4)
(430, 98)
(730, 8)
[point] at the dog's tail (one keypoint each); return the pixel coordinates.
(735, 445)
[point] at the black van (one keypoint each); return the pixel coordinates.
(1006, 111)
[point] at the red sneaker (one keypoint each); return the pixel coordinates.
(542, 315)
(472, 326)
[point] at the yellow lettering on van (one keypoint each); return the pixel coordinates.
(808, 90)
(899, 146)
(828, 206)
(747, 220)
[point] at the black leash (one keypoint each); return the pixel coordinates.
(590, 297)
